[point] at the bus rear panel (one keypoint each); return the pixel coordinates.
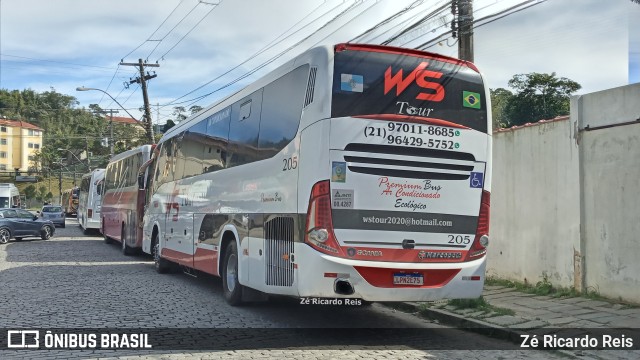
(404, 212)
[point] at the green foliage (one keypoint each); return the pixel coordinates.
(544, 287)
(480, 304)
(499, 99)
(538, 96)
(65, 126)
(30, 192)
(168, 125)
(41, 195)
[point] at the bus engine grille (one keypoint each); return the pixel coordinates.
(408, 162)
(278, 237)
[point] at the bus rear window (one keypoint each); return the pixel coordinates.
(380, 83)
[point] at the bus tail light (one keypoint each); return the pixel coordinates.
(89, 213)
(481, 240)
(319, 230)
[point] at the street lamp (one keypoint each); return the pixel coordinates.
(150, 126)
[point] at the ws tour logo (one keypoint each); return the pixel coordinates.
(420, 76)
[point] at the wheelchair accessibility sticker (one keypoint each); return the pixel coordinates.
(476, 180)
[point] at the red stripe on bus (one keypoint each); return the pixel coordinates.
(403, 51)
(206, 260)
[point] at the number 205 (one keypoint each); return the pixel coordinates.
(290, 163)
(459, 239)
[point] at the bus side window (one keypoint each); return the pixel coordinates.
(282, 104)
(243, 131)
(216, 141)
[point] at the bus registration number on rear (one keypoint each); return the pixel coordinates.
(408, 279)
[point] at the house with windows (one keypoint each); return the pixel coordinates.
(19, 142)
(126, 130)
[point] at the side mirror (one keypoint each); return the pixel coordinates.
(38, 212)
(35, 217)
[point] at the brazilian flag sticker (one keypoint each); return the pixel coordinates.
(471, 99)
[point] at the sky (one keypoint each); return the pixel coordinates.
(203, 47)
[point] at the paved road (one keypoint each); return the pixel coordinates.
(78, 281)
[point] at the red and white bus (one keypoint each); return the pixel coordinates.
(123, 201)
(352, 171)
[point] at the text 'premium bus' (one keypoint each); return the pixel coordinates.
(354, 171)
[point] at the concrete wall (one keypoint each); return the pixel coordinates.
(535, 218)
(565, 197)
(610, 173)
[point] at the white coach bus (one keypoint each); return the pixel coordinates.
(352, 171)
(90, 200)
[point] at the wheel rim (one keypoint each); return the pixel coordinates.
(47, 232)
(232, 268)
(4, 236)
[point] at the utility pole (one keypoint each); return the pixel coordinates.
(142, 80)
(111, 112)
(86, 139)
(465, 28)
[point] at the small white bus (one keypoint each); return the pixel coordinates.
(90, 200)
(9, 196)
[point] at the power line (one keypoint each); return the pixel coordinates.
(190, 30)
(258, 53)
(55, 61)
(389, 19)
(500, 15)
(417, 23)
(173, 28)
(156, 30)
(272, 59)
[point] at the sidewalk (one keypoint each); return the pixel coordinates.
(511, 313)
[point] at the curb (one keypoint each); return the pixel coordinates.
(473, 325)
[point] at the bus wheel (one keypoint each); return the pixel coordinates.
(231, 288)
(162, 265)
(126, 250)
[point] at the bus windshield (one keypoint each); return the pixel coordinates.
(376, 82)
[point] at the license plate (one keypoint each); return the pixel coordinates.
(408, 279)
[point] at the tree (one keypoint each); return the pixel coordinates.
(41, 195)
(499, 99)
(538, 96)
(30, 192)
(168, 125)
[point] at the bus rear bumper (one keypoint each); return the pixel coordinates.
(93, 224)
(373, 280)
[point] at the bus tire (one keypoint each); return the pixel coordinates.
(126, 249)
(231, 288)
(162, 265)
